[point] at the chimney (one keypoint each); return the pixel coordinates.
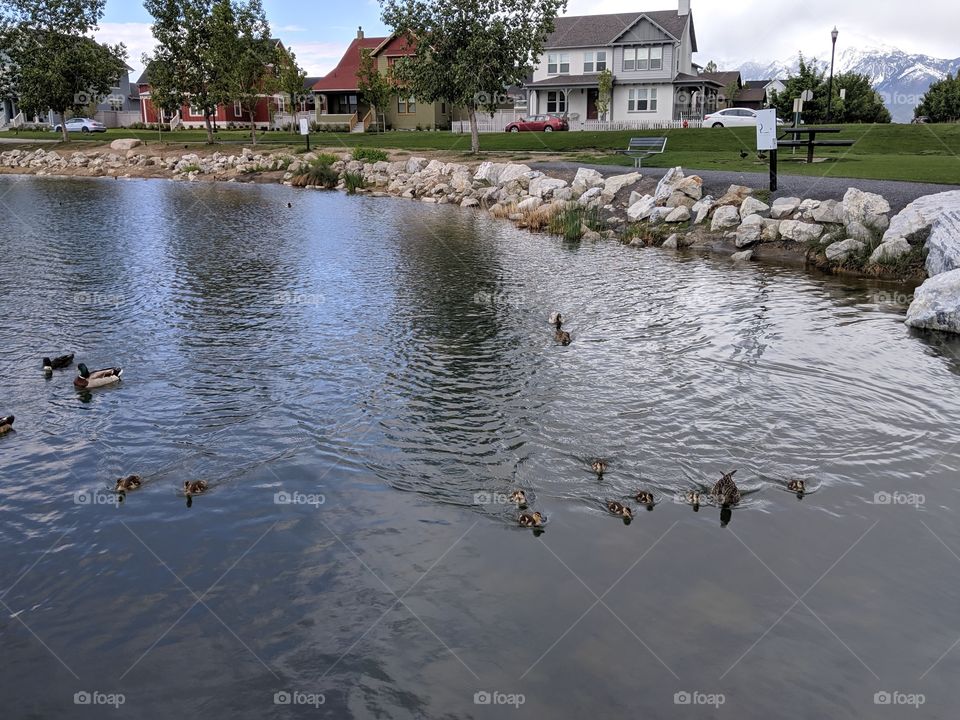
(360, 29)
(684, 8)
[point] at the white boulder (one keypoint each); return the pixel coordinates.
(828, 211)
(867, 209)
(613, 185)
(586, 179)
(678, 214)
(784, 207)
(843, 249)
(800, 231)
(752, 206)
(936, 304)
(512, 172)
(641, 209)
(488, 172)
(916, 219)
(124, 144)
(668, 184)
(543, 187)
(744, 256)
(725, 218)
(701, 209)
(890, 250)
(943, 246)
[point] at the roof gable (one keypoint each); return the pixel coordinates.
(344, 75)
(644, 30)
(603, 30)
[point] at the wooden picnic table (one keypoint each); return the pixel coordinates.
(811, 141)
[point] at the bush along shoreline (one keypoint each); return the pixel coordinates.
(853, 235)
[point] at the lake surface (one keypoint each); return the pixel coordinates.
(359, 380)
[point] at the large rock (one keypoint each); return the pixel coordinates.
(543, 187)
(414, 164)
(672, 242)
(944, 244)
(800, 231)
(586, 179)
(745, 256)
(936, 305)
(488, 172)
(752, 206)
(678, 198)
(843, 249)
(641, 209)
(590, 196)
(678, 214)
(735, 195)
(613, 185)
(771, 231)
(124, 144)
(668, 185)
(916, 219)
(691, 186)
(890, 250)
(529, 204)
(748, 234)
(513, 172)
(829, 211)
(701, 209)
(784, 207)
(724, 218)
(867, 209)
(859, 231)
(435, 167)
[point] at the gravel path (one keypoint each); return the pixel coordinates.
(898, 194)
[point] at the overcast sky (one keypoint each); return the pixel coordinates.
(728, 31)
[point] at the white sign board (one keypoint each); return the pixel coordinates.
(766, 129)
(806, 95)
(304, 126)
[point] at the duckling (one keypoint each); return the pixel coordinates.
(528, 520)
(693, 498)
(131, 482)
(556, 319)
(620, 510)
(726, 492)
(6, 424)
(289, 205)
(645, 497)
(57, 363)
(87, 380)
(197, 487)
(563, 337)
(797, 486)
(599, 467)
(519, 497)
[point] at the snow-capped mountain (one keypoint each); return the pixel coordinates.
(901, 78)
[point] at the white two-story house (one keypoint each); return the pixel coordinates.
(650, 55)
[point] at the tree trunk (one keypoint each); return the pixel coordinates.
(63, 126)
(253, 127)
(206, 117)
(474, 132)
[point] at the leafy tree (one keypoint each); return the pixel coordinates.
(55, 65)
(711, 67)
(185, 58)
(941, 103)
(468, 51)
(730, 92)
(290, 78)
(862, 104)
(240, 47)
(604, 92)
(807, 78)
(375, 89)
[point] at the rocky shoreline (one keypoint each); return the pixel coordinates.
(854, 235)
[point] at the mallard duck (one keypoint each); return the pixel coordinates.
(620, 510)
(563, 337)
(197, 487)
(530, 520)
(131, 482)
(6, 424)
(599, 467)
(519, 497)
(645, 497)
(693, 498)
(726, 492)
(87, 380)
(797, 486)
(57, 363)
(556, 320)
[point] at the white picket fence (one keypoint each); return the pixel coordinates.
(499, 122)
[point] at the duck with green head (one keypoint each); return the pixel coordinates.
(87, 380)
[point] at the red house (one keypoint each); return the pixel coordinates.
(338, 97)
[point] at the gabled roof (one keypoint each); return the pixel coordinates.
(601, 30)
(756, 83)
(752, 94)
(344, 76)
(724, 78)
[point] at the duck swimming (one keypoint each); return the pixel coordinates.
(528, 520)
(645, 497)
(519, 497)
(599, 467)
(87, 380)
(58, 363)
(693, 498)
(797, 486)
(620, 510)
(197, 487)
(131, 482)
(556, 319)
(726, 492)
(563, 337)
(6, 424)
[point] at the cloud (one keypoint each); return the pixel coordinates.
(318, 58)
(291, 29)
(136, 36)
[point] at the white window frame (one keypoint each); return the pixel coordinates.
(559, 101)
(645, 96)
(281, 104)
(406, 106)
(594, 61)
(658, 50)
(556, 62)
(196, 112)
(237, 110)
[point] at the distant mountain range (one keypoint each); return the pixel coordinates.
(901, 78)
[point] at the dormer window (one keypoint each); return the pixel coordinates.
(648, 57)
(558, 64)
(595, 61)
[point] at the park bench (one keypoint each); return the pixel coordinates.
(642, 148)
(811, 141)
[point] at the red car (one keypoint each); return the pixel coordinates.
(538, 123)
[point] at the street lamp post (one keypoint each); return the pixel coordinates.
(833, 56)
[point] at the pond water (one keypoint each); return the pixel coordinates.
(360, 381)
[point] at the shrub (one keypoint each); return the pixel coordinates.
(324, 159)
(319, 174)
(353, 181)
(369, 155)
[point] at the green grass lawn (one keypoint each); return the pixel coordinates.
(920, 153)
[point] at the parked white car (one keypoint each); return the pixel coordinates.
(84, 125)
(733, 117)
